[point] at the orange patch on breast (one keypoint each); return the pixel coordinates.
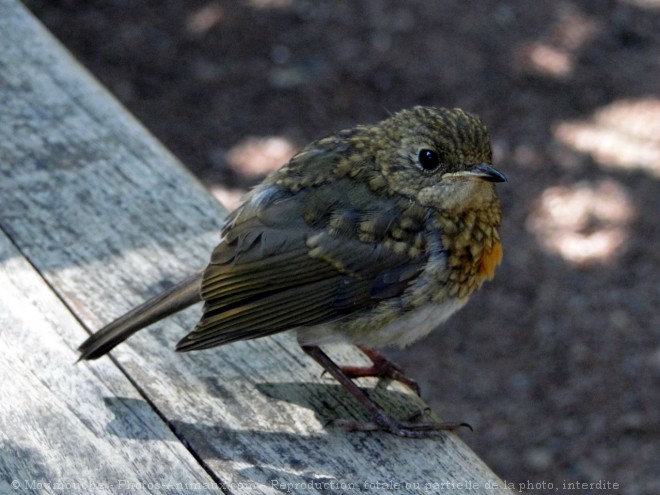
(490, 260)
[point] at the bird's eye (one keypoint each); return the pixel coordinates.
(428, 159)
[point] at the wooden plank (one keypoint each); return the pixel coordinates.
(108, 217)
(54, 438)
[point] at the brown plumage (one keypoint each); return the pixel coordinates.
(374, 236)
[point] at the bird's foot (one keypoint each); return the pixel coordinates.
(409, 428)
(381, 367)
(412, 427)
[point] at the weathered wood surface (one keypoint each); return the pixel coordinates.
(82, 428)
(96, 217)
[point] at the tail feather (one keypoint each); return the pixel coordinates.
(176, 298)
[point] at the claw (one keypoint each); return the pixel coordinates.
(400, 428)
(381, 367)
(381, 420)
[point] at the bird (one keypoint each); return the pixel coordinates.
(372, 236)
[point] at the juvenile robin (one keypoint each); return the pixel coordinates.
(373, 236)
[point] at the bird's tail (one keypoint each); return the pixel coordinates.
(180, 296)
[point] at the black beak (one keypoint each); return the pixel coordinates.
(487, 172)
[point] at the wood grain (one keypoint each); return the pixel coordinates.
(107, 217)
(80, 427)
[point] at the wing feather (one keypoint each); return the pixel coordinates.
(297, 260)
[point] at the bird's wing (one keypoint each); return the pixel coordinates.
(304, 259)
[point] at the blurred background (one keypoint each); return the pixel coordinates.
(556, 363)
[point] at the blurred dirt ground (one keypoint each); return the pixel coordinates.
(556, 363)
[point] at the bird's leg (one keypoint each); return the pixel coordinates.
(381, 367)
(381, 420)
